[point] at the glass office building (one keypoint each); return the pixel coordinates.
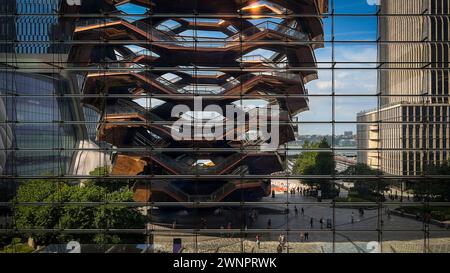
(40, 121)
(31, 102)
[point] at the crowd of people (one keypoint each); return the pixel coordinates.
(301, 191)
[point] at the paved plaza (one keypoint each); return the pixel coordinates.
(399, 234)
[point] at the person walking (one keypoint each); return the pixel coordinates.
(311, 222)
(303, 212)
(296, 211)
(258, 241)
(269, 223)
(279, 249)
(321, 223)
(353, 217)
(302, 237)
(306, 236)
(281, 239)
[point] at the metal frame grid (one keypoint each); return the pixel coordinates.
(401, 234)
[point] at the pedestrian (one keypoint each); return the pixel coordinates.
(303, 212)
(306, 236)
(321, 223)
(353, 217)
(279, 249)
(296, 211)
(258, 241)
(269, 223)
(302, 237)
(311, 222)
(229, 229)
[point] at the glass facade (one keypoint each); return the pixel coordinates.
(33, 109)
(225, 126)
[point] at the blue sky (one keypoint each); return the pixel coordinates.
(347, 81)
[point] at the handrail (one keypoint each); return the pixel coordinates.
(218, 194)
(168, 35)
(95, 21)
(166, 83)
(169, 187)
(136, 54)
(146, 141)
(186, 169)
(136, 108)
(228, 187)
(256, 57)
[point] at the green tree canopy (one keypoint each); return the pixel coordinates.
(57, 214)
(438, 189)
(366, 187)
(317, 163)
(99, 179)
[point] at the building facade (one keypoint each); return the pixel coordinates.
(43, 123)
(410, 129)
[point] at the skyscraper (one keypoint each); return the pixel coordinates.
(410, 129)
(42, 127)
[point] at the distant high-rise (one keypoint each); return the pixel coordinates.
(410, 130)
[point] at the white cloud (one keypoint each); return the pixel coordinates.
(349, 81)
(324, 85)
(373, 2)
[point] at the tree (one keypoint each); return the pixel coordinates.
(57, 215)
(439, 189)
(101, 181)
(366, 188)
(317, 163)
